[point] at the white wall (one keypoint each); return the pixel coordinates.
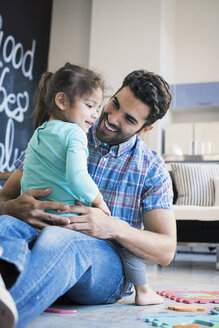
(197, 41)
(125, 35)
(70, 33)
(178, 39)
(195, 51)
(175, 38)
(167, 40)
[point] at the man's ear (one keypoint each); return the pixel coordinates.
(61, 101)
(144, 130)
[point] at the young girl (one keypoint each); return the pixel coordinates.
(67, 102)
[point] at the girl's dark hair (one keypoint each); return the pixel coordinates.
(74, 81)
(152, 90)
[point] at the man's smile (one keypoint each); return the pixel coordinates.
(108, 126)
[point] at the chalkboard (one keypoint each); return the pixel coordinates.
(24, 44)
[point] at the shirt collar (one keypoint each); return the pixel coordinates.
(116, 150)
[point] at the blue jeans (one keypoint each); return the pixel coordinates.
(59, 261)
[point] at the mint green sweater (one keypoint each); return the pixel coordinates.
(56, 158)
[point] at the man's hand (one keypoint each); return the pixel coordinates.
(92, 221)
(27, 208)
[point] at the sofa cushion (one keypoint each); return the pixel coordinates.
(201, 213)
(194, 183)
(216, 190)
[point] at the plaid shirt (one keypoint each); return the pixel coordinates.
(132, 178)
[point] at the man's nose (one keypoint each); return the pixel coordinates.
(114, 118)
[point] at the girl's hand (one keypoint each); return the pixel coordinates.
(100, 203)
(102, 206)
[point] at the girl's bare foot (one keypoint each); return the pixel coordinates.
(146, 296)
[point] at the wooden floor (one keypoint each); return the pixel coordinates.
(187, 272)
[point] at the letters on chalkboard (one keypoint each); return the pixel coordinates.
(22, 61)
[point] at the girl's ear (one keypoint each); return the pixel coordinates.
(61, 101)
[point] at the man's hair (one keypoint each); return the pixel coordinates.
(152, 90)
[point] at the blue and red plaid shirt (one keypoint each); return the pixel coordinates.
(132, 178)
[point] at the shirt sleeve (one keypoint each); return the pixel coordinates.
(19, 163)
(158, 191)
(81, 183)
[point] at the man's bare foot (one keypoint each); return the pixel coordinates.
(146, 296)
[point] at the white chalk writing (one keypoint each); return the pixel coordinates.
(14, 53)
(12, 105)
(6, 149)
(8, 100)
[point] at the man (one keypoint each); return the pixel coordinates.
(78, 261)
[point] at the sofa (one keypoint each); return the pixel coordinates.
(196, 203)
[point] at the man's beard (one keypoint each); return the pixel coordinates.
(114, 139)
(102, 136)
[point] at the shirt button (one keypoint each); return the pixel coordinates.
(104, 159)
